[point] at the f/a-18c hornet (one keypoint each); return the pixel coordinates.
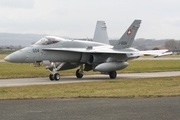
(57, 53)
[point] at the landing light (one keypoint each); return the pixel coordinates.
(52, 63)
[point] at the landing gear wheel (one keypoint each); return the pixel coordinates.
(57, 76)
(78, 74)
(51, 77)
(112, 74)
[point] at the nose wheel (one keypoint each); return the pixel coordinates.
(56, 77)
(51, 77)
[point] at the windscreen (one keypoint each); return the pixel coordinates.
(46, 41)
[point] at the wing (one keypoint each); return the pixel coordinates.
(106, 50)
(87, 50)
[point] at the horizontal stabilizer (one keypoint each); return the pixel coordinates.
(163, 54)
(153, 52)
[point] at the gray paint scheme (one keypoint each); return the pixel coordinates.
(89, 55)
(127, 39)
(100, 34)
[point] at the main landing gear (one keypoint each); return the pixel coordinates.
(79, 72)
(112, 74)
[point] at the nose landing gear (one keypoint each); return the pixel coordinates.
(54, 75)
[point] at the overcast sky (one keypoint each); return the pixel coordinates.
(77, 18)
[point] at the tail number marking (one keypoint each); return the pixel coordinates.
(122, 43)
(35, 50)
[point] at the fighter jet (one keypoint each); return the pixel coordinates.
(57, 53)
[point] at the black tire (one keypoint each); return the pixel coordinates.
(112, 74)
(51, 77)
(78, 75)
(57, 76)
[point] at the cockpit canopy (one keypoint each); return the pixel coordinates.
(48, 41)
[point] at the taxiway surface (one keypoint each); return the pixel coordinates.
(165, 108)
(86, 78)
(89, 108)
(140, 58)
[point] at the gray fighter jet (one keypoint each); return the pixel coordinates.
(60, 54)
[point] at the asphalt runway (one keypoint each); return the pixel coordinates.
(140, 58)
(165, 108)
(89, 108)
(2, 60)
(86, 78)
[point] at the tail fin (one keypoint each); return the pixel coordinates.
(128, 37)
(100, 34)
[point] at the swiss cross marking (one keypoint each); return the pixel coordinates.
(129, 32)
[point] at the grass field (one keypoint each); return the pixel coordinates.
(2, 56)
(6, 51)
(149, 87)
(12, 70)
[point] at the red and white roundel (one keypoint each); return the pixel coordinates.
(129, 32)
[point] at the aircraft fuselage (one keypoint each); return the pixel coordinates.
(35, 53)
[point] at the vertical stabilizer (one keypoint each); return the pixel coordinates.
(100, 34)
(128, 37)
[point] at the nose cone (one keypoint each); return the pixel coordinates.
(7, 58)
(16, 57)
